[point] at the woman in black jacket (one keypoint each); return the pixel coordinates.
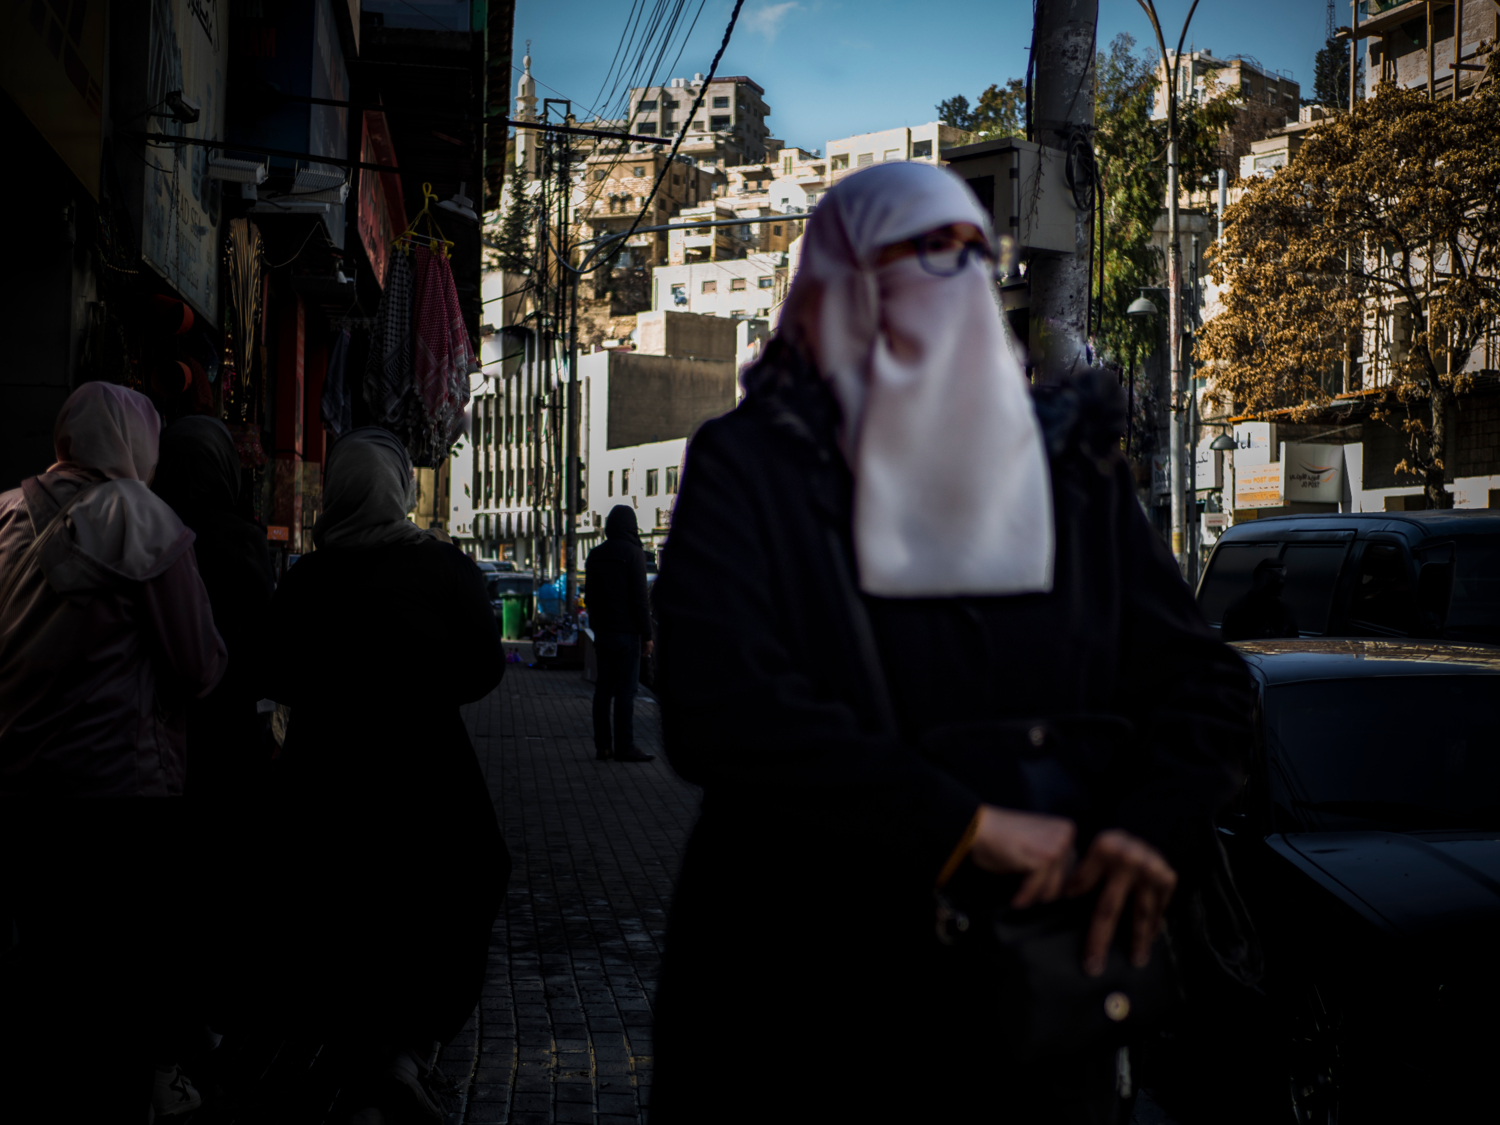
(917, 640)
(392, 864)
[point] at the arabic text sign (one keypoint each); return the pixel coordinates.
(1258, 486)
(1313, 473)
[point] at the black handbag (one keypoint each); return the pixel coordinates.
(1030, 963)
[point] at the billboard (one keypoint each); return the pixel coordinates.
(52, 66)
(1313, 473)
(181, 211)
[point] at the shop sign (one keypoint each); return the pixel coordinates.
(278, 534)
(180, 224)
(52, 66)
(1313, 473)
(1215, 522)
(1258, 486)
(1161, 474)
(1208, 468)
(1254, 443)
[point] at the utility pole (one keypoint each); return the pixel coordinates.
(1170, 67)
(1063, 119)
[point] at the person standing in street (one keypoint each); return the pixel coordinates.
(620, 615)
(389, 866)
(957, 719)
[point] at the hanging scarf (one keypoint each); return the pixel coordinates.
(388, 373)
(442, 355)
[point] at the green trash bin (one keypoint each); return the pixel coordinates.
(512, 616)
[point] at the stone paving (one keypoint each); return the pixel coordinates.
(563, 1032)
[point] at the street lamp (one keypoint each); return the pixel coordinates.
(1174, 274)
(1222, 444)
(1142, 306)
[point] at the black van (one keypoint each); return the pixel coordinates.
(1432, 574)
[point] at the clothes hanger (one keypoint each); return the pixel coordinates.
(411, 238)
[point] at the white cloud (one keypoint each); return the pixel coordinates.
(768, 18)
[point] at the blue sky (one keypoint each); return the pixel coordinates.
(832, 68)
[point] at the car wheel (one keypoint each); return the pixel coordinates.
(1314, 1057)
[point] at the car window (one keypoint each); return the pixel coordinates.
(501, 585)
(1474, 608)
(1383, 602)
(1312, 572)
(1229, 574)
(1395, 752)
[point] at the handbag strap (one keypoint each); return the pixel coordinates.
(17, 572)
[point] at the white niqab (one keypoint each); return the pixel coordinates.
(952, 491)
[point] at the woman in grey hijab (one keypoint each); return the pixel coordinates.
(389, 826)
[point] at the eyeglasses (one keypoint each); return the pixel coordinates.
(946, 256)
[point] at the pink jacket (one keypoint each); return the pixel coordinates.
(97, 660)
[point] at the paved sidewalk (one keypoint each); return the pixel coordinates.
(563, 1033)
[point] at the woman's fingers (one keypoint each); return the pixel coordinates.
(1045, 883)
(1106, 916)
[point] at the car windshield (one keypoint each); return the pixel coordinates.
(1402, 753)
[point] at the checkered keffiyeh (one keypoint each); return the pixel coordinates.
(388, 374)
(442, 355)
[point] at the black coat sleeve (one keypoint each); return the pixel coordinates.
(747, 712)
(1187, 692)
(640, 608)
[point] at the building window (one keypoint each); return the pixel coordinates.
(646, 128)
(721, 103)
(672, 480)
(736, 312)
(775, 230)
(840, 163)
(600, 173)
(786, 165)
(921, 150)
(813, 197)
(668, 103)
(892, 154)
(624, 482)
(864, 159)
(710, 287)
(719, 121)
(698, 125)
(510, 483)
(652, 478)
(767, 282)
(676, 179)
(737, 284)
(609, 483)
(640, 172)
(646, 106)
(679, 294)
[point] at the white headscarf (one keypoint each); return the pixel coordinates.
(111, 431)
(367, 493)
(952, 492)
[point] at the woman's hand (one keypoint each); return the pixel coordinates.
(1126, 864)
(1036, 845)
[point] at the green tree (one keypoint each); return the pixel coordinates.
(512, 244)
(1001, 111)
(1393, 210)
(1331, 75)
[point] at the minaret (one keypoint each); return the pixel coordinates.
(526, 139)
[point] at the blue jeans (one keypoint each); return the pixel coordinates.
(619, 660)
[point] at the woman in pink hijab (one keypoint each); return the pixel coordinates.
(105, 627)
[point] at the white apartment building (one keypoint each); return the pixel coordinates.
(728, 130)
(917, 142)
(752, 286)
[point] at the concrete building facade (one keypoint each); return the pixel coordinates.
(753, 286)
(1201, 77)
(917, 142)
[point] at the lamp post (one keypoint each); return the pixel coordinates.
(1174, 275)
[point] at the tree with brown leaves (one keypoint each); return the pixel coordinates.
(1391, 211)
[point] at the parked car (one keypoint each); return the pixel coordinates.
(1366, 843)
(1429, 574)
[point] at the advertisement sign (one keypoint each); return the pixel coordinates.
(180, 224)
(52, 66)
(1254, 443)
(1161, 474)
(1313, 473)
(1208, 467)
(1258, 486)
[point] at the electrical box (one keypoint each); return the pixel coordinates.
(1024, 188)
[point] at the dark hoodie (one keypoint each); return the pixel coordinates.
(199, 476)
(615, 578)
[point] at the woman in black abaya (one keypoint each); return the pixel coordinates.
(199, 476)
(395, 865)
